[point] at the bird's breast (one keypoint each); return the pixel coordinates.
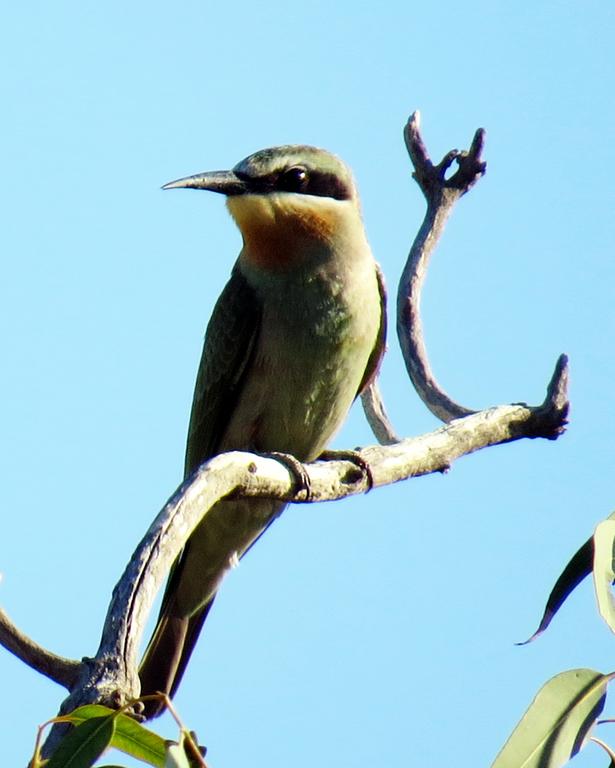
(318, 331)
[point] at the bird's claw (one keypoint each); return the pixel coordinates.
(355, 458)
(301, 478)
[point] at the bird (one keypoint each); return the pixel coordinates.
(296, 335)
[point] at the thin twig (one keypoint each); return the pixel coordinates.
(376, 415)
(57, 668)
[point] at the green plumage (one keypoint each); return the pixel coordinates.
(286, 351)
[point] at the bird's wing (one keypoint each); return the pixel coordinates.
(230, 341)
(229, 344)
(373, 363)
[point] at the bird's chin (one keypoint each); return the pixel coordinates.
(251, 211)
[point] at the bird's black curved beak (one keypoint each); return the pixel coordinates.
(225, 182)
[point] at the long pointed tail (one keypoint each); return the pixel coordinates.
(167, 655)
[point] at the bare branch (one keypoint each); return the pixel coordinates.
(111, 677)
(441, 195)
(57, 668)
(376, 415)
(550, 418)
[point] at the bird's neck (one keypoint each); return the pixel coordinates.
(286, 232)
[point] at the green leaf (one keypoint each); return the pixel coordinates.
(576, 570)
(83, 745)
(557, 722)
(597, 556)
(87, 712)
(134, 739)
(129, 736)
(176, 757)
(604, 550)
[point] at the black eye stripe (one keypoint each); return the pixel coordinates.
(327, 185)
(317, 183)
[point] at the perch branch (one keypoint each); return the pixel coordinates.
(111, 677)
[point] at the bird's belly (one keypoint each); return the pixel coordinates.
(298, 393)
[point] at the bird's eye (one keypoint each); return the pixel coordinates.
(294, 179)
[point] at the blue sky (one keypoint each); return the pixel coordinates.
(380, 629)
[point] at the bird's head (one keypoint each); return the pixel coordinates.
(283, 197)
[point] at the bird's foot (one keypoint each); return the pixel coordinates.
(355, 458)
(301, 479)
